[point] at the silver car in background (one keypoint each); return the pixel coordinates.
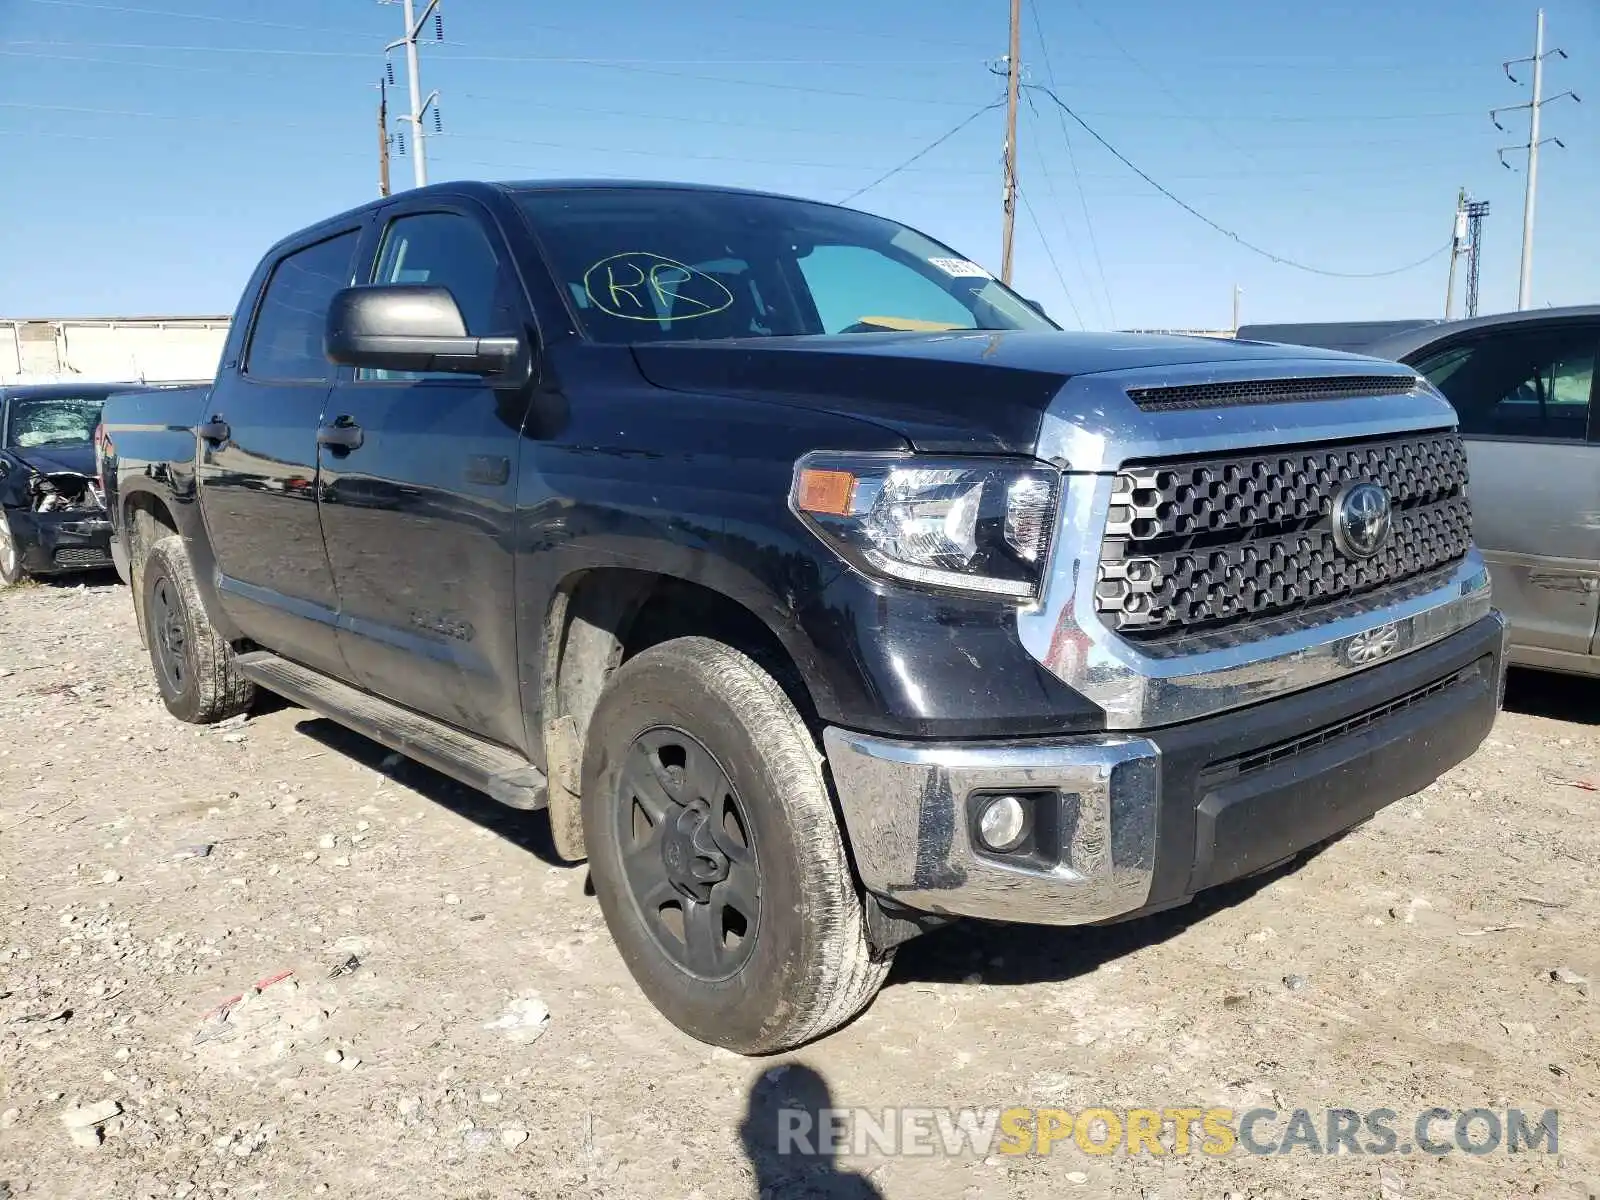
(1523, 385)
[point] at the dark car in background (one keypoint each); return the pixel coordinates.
(52, 508)
(1523, 387)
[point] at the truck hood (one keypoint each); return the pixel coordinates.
(70, 457)
(959, 392)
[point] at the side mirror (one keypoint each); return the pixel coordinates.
(1036, 306)
(410, 327)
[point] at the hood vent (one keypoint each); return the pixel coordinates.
(1269, 391)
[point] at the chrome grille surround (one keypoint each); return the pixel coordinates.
(1093, 428)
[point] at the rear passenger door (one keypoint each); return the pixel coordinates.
(1525, 398)
(419, 517)
(258, 460)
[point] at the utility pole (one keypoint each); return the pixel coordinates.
(1458, 237)
(1013, 69)
(1525, 275)
(419, 105)
(383, 137)
(1238, 294)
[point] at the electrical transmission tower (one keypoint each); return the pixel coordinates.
(419, 104)
(1466, 241)
(1534, 105)
(1477, 210)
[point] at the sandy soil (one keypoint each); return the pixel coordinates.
(151, 872)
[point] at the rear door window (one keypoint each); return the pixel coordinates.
(286, 341)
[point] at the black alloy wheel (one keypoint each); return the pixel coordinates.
(170, 646)
(688, 853)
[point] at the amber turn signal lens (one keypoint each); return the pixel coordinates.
(827, 493)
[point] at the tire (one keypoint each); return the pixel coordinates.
(10, 555)
(676, 723)
(194, 667)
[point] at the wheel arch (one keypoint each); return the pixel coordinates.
(601, 617)
(148, 512)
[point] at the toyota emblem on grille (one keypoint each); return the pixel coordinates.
(1362, 520)
(1372, 645)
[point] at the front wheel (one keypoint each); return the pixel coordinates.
(194, 666)
(10, 555)
(715, 853)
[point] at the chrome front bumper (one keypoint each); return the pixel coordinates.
(908, 810)
(1140, 821)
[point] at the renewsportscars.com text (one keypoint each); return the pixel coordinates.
(952, 1132)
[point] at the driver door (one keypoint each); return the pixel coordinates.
(418, 496)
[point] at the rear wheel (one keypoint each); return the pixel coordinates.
(194, 667)
(715, 853)
(10, 555)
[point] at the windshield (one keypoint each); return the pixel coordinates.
(641, 265)
(49, 420)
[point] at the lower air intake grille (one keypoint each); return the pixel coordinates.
(1267, 756)
(82, 556)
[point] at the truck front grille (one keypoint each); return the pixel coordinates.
(1206, 543)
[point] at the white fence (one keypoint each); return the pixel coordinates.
(110, 349)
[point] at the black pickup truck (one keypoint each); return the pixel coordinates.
(817, 585)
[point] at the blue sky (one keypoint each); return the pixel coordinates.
(154, 148)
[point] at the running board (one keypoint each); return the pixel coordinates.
(503, 774)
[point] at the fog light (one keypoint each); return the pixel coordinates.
(1003, 824)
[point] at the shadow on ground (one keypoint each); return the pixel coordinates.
(1558, 697)
(1023, 954)
(529, 831)
(783, 1116)
(999, 953)
(66, 583)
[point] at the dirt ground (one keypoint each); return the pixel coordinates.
(151, 872)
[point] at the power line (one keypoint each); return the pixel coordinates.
(1226, 232)
(1051, 255)
(1157, 80)
(604, 64)
(1072, 160)
(122, 62)
(53, 136)
(201, 118)
(673, 154)
(1287, 118)
(188, 16)
(897, 35)
(938, 141)
(1050, 186)
(295, 52)
(580, 60)
(641, 115)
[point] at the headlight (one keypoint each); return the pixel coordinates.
(973, 525)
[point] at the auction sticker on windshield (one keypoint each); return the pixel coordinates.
(960, 268)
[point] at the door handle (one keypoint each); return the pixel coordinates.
(343, 435)
(215, 430)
